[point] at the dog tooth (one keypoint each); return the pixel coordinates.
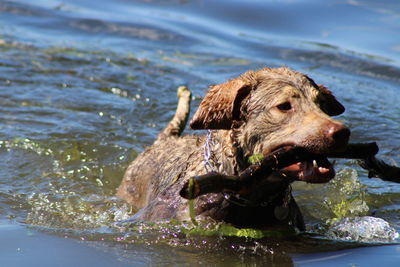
(315, 163)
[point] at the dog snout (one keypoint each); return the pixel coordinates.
(339, 134)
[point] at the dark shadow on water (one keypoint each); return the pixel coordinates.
(170, 245)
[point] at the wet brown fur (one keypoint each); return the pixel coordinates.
(248, 115)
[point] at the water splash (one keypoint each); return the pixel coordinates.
(345, 196)
(363, 229)
(342, 197)
(71, 211)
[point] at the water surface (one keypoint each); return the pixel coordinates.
(86, 85)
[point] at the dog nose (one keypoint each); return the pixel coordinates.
(339, 133)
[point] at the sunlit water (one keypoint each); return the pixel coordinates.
(86, 85)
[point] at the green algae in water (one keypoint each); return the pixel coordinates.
(204, 228)
(346, 196)
(343, 196)
(229, 230)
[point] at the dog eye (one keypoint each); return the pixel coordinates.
(284, 106)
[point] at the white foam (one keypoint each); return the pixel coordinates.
(364, 229)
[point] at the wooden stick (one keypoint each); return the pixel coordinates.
(215, 182)
(378, 169)
(357, 151)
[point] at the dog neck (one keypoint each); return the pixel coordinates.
(223, 154)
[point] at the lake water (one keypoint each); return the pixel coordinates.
(86, 85)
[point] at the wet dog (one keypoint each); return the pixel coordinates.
(255, 113)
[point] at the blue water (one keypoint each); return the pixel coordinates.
(86, 85)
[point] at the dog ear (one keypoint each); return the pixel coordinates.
(221, 105)
(328, 102)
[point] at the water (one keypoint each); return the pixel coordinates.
(85, 86)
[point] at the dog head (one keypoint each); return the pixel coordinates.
(272, 108)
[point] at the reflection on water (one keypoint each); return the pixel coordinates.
(86, 86)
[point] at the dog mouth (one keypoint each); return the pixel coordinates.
(316, 170)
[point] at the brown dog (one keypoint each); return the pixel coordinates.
(256, 113)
